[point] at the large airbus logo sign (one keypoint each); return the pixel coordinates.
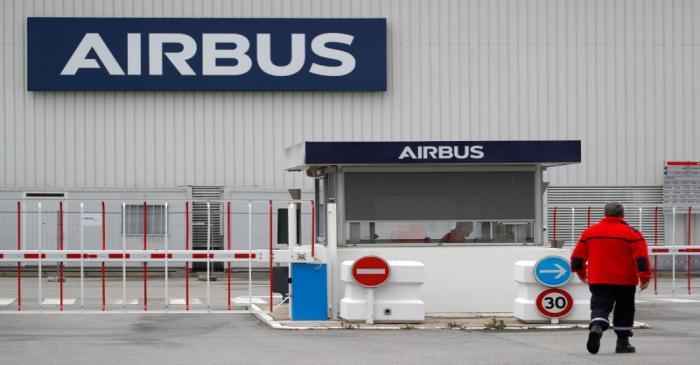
(207, 54)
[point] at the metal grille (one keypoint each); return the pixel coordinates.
(214, 194)
(572, 203)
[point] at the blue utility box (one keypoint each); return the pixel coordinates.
(309, 292)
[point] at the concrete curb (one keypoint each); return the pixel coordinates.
(272, 323)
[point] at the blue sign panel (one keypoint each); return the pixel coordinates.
(442, 152)
(552, 271)
(215, 54)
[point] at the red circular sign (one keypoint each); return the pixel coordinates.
(554, 302)
(370, 271)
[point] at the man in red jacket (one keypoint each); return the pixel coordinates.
(616, 257)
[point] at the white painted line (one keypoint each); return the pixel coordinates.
(6, 301)
(181, 301)
(57, 301)
(674, 300)
(641, 301)
(244, 300)
(128, 302)
(371, 271)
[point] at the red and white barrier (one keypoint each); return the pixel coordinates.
(137, 256)
(166, 256)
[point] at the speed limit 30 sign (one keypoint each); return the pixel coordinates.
(554, 302)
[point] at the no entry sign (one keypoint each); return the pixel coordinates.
(370, 271)
(554, 302)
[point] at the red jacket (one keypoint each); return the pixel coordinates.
(615, 252)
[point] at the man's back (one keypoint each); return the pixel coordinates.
(616, 253)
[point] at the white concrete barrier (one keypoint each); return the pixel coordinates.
(397, 300)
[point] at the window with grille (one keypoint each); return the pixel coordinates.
(134, 219)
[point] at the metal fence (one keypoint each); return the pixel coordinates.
(102, 242)
(670, 231)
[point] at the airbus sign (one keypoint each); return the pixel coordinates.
(546, 153)
(206, 54)
(442, 152)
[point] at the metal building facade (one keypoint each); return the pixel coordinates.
(622, 76)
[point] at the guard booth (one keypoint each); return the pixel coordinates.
(467, 210)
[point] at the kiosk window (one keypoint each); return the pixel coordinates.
(440, 207)
(453, 196)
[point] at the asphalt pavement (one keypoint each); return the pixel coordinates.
(136, 338)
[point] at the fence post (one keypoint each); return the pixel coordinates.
(656, 240)
(250, 254)
(60, 247)
(104, 248)
(82, 259)
(673, 252)
(690, 238)
(554, 223)
(167, 258)
(332, 242)
(19, 264)
(228, 247)
(313, 229)
(145, 264)
(124, 256)
(573, 226)
(589, 216)
(187, 248)
(208, 253)
(271, 258)
(40, 256)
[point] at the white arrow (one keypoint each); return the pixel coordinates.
(560, 271)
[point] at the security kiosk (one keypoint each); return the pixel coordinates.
(466, 210)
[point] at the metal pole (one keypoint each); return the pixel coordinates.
(250, 253)
(690, 239)
(228, 247)
(554, 223)
(187, 248)
(167, 258)
(19, 264)
(104, 248)
(271, 253)
(40, 256)
(208, 251)
(573, 226)
(82, 263)
(589, 216)
(60, 247)
(673, 252)
(656, 241)
(313, 229)
(124, 256)
(145, 264)
(332, 233)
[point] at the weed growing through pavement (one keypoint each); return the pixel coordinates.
(495, 324)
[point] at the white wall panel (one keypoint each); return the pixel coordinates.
(622, 76)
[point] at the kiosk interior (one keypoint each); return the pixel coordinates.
(460, 207)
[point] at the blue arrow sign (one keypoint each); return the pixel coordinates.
(552, 271)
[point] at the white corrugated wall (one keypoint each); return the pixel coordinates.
(622, 76)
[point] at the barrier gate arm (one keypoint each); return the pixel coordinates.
(300, 254)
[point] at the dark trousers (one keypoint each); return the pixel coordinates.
(618, 299)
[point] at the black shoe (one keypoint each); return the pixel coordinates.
(594, 335)
(624, 346)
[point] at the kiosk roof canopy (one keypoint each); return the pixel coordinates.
(546, 153)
